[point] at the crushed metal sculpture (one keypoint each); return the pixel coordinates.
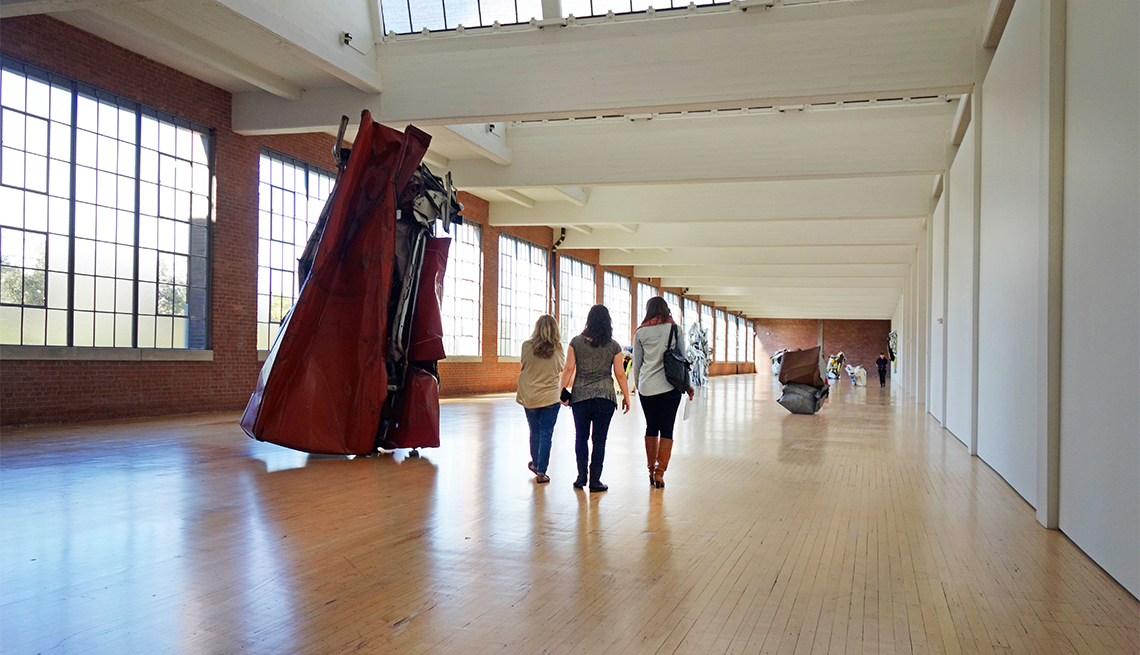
(804, 390)
(858, 375)
(892, 344)
(835, 365)
(777, 360)
(699, 354)
(354, 366)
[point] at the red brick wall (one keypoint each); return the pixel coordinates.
(46, 391)
(860, 341)
(774, 334)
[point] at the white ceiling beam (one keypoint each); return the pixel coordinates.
(696, 284)
(13, 8)
(996, 19)
(864, 142)
(903, 196)
(515, 197)
(939, 183)
(189, 45)
(823, 314)
(316, 111)
(805, 293)
(584, 229)
(794, 56)
(887, 254)
(436, 160)
(854, 232)
(575, 194)
(961, 120)
(697, 272)
(311, 34)
(491, 143)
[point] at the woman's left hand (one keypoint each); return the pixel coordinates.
(625, 404)
(690, 392)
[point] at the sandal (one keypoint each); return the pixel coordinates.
(530, 465)
(541, 479)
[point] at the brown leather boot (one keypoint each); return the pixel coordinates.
(651, 445)
(664, 452)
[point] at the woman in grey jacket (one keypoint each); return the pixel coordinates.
(659, 398)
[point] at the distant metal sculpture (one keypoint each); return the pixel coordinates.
(835, 365)
(804, 390)
(893, 345)
(699, 353)
(778, 360)
(858, 375)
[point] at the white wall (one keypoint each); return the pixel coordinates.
(937, 309)
(1100, 364)
(1012, 226)
(959, 323)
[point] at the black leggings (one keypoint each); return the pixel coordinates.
(660, 413)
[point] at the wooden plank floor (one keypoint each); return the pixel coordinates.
(863, 529)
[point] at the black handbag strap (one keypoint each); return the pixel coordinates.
(672, 336)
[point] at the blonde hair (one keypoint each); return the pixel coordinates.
(545, 337)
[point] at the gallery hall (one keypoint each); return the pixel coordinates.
(570, 327)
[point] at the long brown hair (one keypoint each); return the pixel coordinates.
(545, 337)
(657, 311)
(599, 329)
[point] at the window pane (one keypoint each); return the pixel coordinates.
(278, 247)
(617, 298)
(523, 292)
(720, 352)
(25, 250)
(77, 217)
(577, 293)
(462, 304)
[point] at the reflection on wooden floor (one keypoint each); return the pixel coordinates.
(863, 529)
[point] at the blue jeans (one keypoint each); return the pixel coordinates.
(541, 420)
(594, 413)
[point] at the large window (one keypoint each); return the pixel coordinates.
(616, 298)
(104, 227)
(463, 291)
(674, 302)
(645, 291)
(403, 17)
(749, 340)
(291, 195)
(707, 319)
(523, 292)
(720, 347)
(577, 293)
(692, 314)
(732, 343)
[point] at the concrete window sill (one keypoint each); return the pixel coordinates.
(65, 353)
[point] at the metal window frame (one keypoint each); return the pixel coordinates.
(477, 244)
(675, 6)
(514, 349)
(626, 311)
(295, 163)
(77, 88)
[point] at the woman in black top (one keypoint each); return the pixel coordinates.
(592, 361)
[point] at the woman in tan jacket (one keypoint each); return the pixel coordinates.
(542, 362)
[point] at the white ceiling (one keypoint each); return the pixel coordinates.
(780, 162)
